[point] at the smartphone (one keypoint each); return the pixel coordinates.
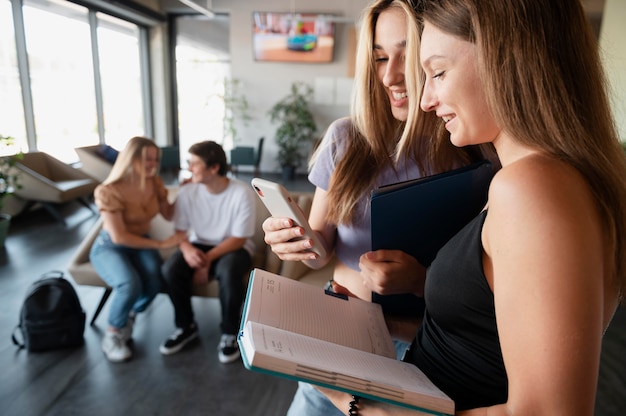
(280, 204)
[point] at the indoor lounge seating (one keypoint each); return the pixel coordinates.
(247, 156)
(170, 162)
(96, 160)
(83, 273)
(48, 181)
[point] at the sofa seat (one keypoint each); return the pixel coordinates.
(49, 181)
(93, 161)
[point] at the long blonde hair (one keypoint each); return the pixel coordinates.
(135, 150)
(379, 141)
(545, 86)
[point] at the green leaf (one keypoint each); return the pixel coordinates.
(296, 124)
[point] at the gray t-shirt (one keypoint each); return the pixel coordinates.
(354, 240)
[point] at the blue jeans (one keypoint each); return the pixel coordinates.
(308, 401)
(134, 274)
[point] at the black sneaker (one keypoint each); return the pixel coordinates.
(228, 350)
(179, 339)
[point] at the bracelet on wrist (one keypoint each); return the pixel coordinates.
(354, 409)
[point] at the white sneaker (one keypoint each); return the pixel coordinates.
(115, 348)
(127, 331)
(228, 350)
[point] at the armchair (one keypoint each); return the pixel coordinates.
(97, 160)
(247, 156)
(49, 181)
(170, 162)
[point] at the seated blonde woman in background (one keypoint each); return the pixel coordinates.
(124, 256)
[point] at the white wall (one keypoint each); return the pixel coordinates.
(266, 82)
(613, 49)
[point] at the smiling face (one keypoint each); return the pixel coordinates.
(389, 52)
(198, 169)
(453, 88)
(149, 163)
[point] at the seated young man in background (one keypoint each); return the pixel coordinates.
(218, 213)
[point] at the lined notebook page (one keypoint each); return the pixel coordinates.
(305, 309)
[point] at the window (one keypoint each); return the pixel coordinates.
(11, 109)
(61, 76)
(120, 70)
(86, 74)
(202, 64)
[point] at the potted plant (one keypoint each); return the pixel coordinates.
(9, 181)
(235, 108)
(296, 127)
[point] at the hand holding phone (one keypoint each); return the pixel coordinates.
(280, 205)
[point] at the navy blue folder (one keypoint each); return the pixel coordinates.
(421, 215)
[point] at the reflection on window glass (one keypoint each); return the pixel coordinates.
(11, 108)
(118, 44)
(61, 75)
(202, 63)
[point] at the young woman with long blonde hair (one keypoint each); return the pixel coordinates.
(381, 143)
(124, 255)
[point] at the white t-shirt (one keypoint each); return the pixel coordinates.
(211, 218)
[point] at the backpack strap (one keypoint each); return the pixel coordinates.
(52, 273)
(15, 340)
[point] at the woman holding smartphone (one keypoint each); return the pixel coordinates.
(381, 143)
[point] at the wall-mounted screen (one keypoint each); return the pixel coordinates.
(293, 37)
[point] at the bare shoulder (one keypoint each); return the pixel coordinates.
(540, 183)
(542, 199)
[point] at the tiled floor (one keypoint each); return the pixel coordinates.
(81, 381)
(192, 382)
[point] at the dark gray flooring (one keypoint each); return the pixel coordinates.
(81, 381)
(193, 382)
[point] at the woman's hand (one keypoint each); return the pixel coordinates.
(365, 407)
(338, 398)
(173, 240)
(280, 235)
(389, 272)
(166, 209)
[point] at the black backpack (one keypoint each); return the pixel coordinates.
(51, 316)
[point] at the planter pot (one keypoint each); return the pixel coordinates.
(289, 173)
(5, 221)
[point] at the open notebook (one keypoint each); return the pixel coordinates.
(299, 331)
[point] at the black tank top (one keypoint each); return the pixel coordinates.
(457, 346)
